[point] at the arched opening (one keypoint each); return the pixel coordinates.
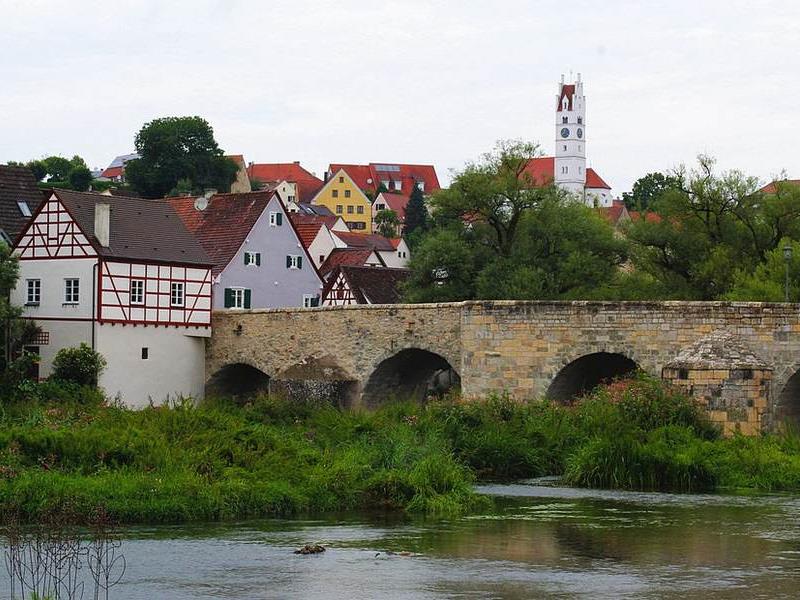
(787, 409)
(586, 373)
(239, 381)
(410, 374)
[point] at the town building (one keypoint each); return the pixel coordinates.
(354, 257)
(116, 170)
(316, 235)
(20, 196)
(258, 258)
(394, 252)
(567, 169)
(124, 276)
(241, 184)
(292, 181)
(393, 177)
(363, 285)
(394, 202)
(344, 198)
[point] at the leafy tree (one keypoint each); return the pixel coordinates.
(709, 228)
(646, 190)
(494, 193)
(80, 365)
(175, 148)
(387, 223)
(416, 213)
(80, 179)
(767, 282)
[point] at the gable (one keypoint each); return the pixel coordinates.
(53, 233)
(340, 182)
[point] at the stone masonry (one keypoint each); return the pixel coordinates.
(501, 346)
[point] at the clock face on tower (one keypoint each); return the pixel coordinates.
(580, 132)
(564, 132)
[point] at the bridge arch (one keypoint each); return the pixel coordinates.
(787, 401)
(410, 373)
(238, 380)
(586, 372)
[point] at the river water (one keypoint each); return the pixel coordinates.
(540, 541)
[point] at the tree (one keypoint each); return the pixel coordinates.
(494, 193)
(80, 179)
(416, 213)
(175, 148)
(709, 228)
(646, 190)
(387, 223)
(81, 365)
(766, 283)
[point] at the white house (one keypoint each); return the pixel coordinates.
(124, 276)
(393, 251)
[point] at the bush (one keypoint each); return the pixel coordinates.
(80, 365)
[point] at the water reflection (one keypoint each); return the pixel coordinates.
(539, 542)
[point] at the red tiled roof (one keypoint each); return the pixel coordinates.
(365, 240)
(225, 223)
(397, 203)
(369, 177)
(395, 242)
(356, 257)
(542, 172)
(17, 184)
(567, 90)
(302, 219)
(593, 180)
(308, 232)
(772, 187)
(112, 172)
(612, 214)
(307, 183)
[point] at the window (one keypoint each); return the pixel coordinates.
(291, 198)
(380, 207)
(137, 291)
(580, 120)
(275, 219)
(321, 258)
(565, 147)
(347, 193)
(176, 294)
(252, 259)
(335, 193)
(341, 179)
(360, 209)
(385, 183)
(71, 291)
(24, 208)
(145, 353)
(310, 300)
(421, 185)
(339, 209)
(349, 209)
(237, 297)
(398, 185)
(294, 261)
(563, 119)
(34, 291)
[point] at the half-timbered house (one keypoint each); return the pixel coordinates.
(124, 276)
(363, 285)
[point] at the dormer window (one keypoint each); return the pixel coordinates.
(24, 208)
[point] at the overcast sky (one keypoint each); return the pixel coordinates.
(413, 81)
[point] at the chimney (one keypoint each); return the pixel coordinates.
(297, 162)
(102, 223)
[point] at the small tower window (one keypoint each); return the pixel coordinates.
(564, 120)
(580, 120)
(565, 147)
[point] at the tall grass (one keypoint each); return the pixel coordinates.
(276, 457)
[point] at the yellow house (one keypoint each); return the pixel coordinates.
(344, 199)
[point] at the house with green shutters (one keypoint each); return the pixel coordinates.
(259, 258)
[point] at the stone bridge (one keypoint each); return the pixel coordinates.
(530, 350)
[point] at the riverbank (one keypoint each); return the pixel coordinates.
(272, 457)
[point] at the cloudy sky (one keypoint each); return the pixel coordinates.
(413, 81)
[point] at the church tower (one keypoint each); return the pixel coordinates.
(570, 155)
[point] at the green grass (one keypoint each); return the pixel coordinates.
(275, 457)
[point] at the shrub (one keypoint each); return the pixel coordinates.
(81, 365)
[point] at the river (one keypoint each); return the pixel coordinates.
(540, 541)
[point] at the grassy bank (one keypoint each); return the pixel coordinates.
(221, 461)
